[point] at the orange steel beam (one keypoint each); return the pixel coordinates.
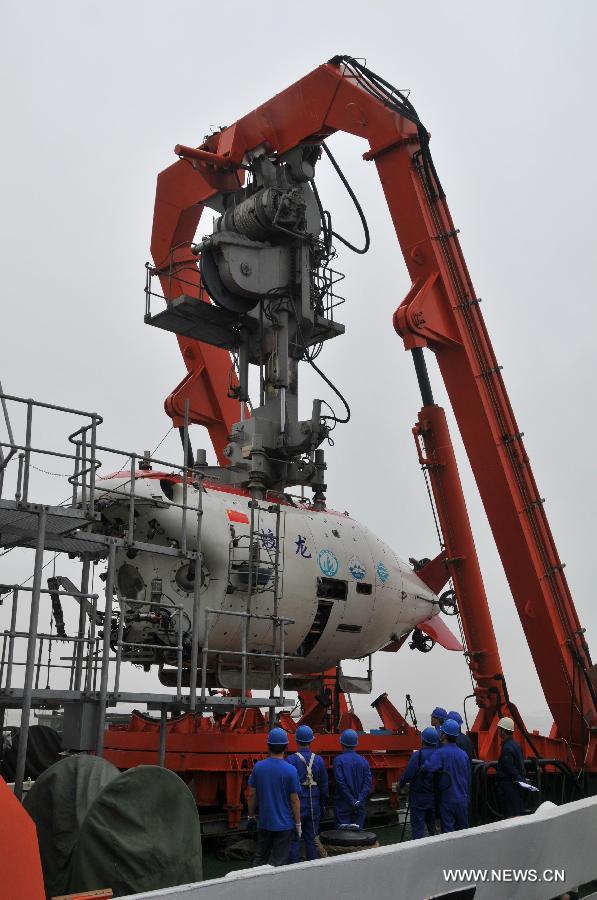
(209, 369)
(436, 455)
(441, 312)
(21, 876)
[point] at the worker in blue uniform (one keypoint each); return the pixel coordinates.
(438, 717)
(352, 776)
(463, 740)
(452, 769)
(510, 770)
(274, 790)
(313, 778)
(421, 795)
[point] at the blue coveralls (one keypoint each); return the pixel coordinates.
(274, 780)
(453, 769)
(313, 801)
(353, 785)
(422, 798)
(510, 769)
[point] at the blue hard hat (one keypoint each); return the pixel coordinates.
(451, 728)
(277, 738)
(430, 736)
(439, 713)
(349, 738)
(304, 734)
(455, 715)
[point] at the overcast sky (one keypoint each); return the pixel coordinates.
(94, 97)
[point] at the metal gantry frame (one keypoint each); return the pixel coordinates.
(71, 527)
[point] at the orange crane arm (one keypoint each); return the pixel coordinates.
(209, 369)
(441, 312)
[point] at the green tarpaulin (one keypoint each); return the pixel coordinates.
(131, 832)
(58, 802)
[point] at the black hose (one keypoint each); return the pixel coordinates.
(334, 418)
(399, 103)
(326, 220)
(358, 208)
(188, 450)
(468, 697)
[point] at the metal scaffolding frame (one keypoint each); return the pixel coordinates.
(71, 527)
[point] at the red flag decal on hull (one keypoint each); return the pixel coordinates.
(235, 516)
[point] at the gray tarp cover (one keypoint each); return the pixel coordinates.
(43, 750)
(130, 832)
(58, 803)
(142, 833)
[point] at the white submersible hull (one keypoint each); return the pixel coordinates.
(345, 591)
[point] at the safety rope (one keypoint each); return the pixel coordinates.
(310, 783)
(433, 510)
(321, 849)
(47, 472)
(23, 583)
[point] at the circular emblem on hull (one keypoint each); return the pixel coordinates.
(356, 568)
(382, 572)
(328, 562)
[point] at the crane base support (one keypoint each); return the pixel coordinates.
(215, 756)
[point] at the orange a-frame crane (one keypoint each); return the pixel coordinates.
(441, 312)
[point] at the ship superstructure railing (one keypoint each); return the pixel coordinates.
(75, 664)
(181, 277)
(84, 467)
(276, 657)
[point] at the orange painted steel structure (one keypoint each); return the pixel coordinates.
(21, 875)
(216, 757)
(441, 312)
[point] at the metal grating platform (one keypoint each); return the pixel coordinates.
(19, 523)
(202, 321)
(193, 318)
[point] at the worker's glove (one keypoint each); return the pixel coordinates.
(251, 824)
(299, 830)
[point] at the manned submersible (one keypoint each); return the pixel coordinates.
(335, 589)
(343, 592)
